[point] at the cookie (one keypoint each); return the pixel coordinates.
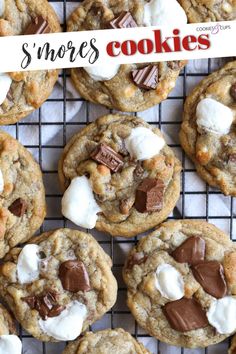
(133, 87)
(22, 202)
(119, 175)
(209, 10)
(58, 284)
(9, 342)
(181, 282)
(23, 92)
(207, 138)
(232, 349)
(106, 342)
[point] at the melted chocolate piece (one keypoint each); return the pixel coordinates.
(74, 276)
(146, 78)
(210, 275)
(105, 155)
(136, 258)
(191, 251)
(18, 207)
(233, 91)
(38, 26)
(149, 195)
(185, 315)
(124, 20)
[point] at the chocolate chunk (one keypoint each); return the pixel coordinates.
(149, 195)
(30, 300)
(45, 304)
(56, 310)
(74, 276)
(233, 91)
(108, 157)
(18, 207)
(185, 315)
(124, 20)
(191, 251)
(38, 26)
(146, 78)
(211, 277)
(136, 258)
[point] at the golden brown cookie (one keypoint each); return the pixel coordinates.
(208, 130)
(181, 283)
(25, 91)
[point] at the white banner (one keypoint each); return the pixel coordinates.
(117, 46)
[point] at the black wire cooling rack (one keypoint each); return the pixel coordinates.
(119, 316)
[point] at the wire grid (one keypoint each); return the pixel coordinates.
(119, 316)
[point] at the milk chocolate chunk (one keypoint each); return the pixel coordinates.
(18, 207)
(56, 310)
(146, 78)
(211, 277)
(233, 91)
(105, 155)
(191, 251)
(185, 315)
(74, 276)
(149, 195)
(124, 20)
(38, 26)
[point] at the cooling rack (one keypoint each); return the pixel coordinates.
(206, 203)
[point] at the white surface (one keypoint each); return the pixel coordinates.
(102, 73)
(163, 13)
(1, 182)
(5, 83)
(2, 7)
(10, 344)
(143, 144)
(169, 282)
(79, 204)
(68, 325)
(213, 116)
(28, 264)
(219, 311)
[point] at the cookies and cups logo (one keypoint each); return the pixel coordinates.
(117, 46)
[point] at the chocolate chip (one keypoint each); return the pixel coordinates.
(18, 207)
(210, 275)
(105, 155)
(191, 251)
(149, 195)
(185, 315)
(146, 78)
(124, 20)
(233, 91)
(136, 258)
(38, 26)
(56, 310)
(126, 205)
(30, 300)
(74, 276)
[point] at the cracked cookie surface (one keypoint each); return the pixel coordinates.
(107, 342)
(209, 10)
(116, 192)
(212, 148)
(22, 196)
(120, 92)
(28, 90)
(69, 270)
(170, 245)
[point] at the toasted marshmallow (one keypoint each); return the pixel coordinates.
(169, 282)
(2, 7)
(28, 265)
(102, 73)
(5, 84)
(10, 344)
(68, 325)
(1, 182)
(221, 315)
(214, 116)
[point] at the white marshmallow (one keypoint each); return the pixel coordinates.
(68, 325)
(5, 84)
(28, 264)
(10, 344)
(79, 204)
(164, 13)
(222, 315)
(214, 116)
(2, 7)
(169, 282)
(143, 144)
(102, 73)
(1, 182)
